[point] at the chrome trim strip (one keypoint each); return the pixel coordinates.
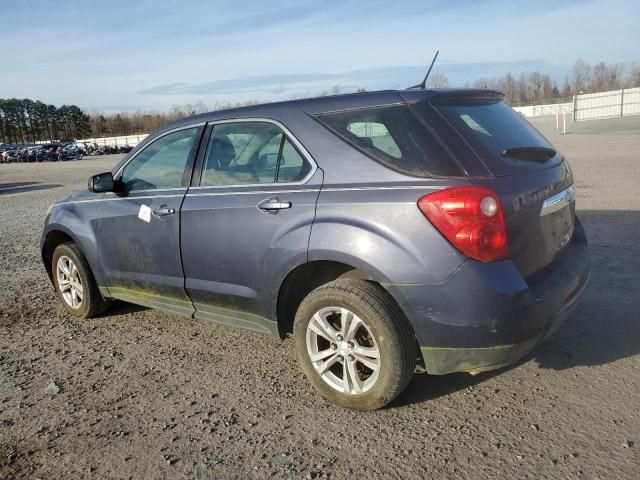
(73, 202)
(173, 130)
(336, 189)
(407, 187)
(253, 192)
(558, 201)
(157, 190)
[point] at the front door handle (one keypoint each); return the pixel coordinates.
(272, 205)
(163, 211)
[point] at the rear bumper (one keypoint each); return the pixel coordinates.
(443, 360)
(486, 315)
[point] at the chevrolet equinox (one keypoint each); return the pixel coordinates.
(387, 232)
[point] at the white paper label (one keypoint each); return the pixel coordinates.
(144, 213)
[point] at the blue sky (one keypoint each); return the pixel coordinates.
(151, 54)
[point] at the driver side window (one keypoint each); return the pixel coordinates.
(161, 164)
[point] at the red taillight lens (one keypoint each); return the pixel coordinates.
(471, 218)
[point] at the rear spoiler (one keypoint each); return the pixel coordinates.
(447, 94)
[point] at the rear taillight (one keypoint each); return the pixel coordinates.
(471, 218)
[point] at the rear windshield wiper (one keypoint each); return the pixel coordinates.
(533, 154)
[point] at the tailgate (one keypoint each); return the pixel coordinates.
(539, 210)
(532, 179)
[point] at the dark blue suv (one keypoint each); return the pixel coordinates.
(386, 231)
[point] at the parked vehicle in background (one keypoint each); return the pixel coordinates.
(70, 152)
(95, 149)
(54, 152)
(382, 230)
(41, 153)
(10, 155)
(34, 153)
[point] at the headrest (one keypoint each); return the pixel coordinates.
(221, 151)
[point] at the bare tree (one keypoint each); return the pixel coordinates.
(549, 89)
(509, 88)
(580, 76)
(438, 80)
(535, 86)
(566, 88)
(200, 107)
(634, 76)
(599, 79)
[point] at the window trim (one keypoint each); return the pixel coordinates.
(189, 164)
(304, 153)
(279, 159)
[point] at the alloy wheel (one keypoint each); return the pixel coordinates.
(69, 282)
(343, 350)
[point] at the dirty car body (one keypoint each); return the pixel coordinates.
(343, 189)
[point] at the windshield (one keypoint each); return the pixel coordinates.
(503, 139)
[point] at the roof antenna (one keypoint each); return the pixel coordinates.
(422, 85)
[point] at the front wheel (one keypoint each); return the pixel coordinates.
(74, 282)
(354, 344)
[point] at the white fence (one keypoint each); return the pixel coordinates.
(616, 103)
(540, 110)
(131, 140)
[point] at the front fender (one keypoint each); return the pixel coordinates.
(74, 220)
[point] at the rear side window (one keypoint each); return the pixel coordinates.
(503, 139)
(292, 168)
(251, 153)
(393, 136)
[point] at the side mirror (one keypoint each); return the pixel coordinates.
(103, 182)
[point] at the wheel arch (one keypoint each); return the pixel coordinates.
(306, 277)
(50, 243)
(55, 236)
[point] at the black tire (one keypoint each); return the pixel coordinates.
(93, 303)
(391, 331)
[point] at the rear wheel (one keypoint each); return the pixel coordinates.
(74, 282)
(354, 344)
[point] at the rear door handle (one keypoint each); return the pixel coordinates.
(163, 211)
(272, 205)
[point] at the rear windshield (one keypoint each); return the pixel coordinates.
(503, 139)
(393, 136)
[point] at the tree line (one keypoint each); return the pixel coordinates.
(28, 121)
(24, 121)
(535, 87)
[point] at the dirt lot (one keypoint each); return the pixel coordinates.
(145, 394)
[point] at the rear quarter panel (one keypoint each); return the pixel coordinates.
(379, 229)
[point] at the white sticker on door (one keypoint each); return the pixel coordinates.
(144, 213)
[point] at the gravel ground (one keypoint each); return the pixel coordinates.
(139, 393)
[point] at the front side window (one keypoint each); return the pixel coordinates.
(393, 136)
(251, 153)
(161, 164)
